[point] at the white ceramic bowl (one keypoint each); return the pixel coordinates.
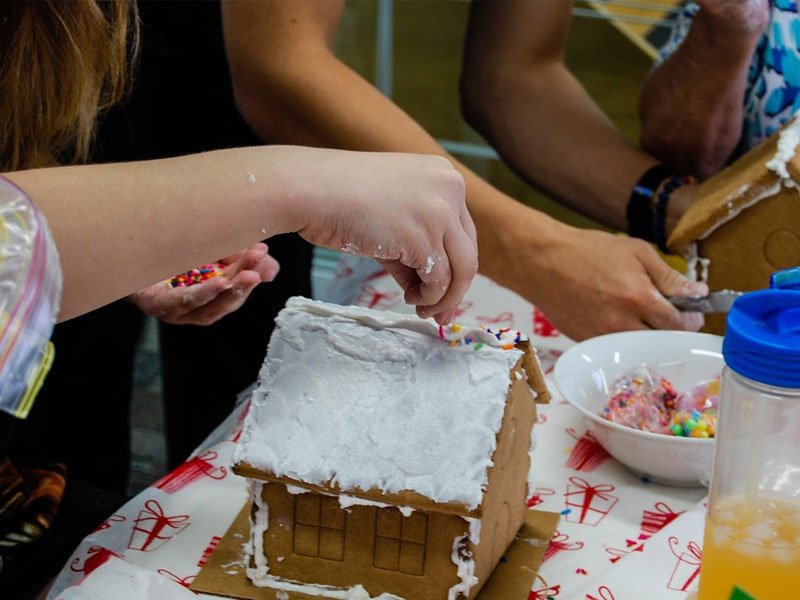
(585, 373)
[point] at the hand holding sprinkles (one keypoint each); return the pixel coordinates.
(195, 276)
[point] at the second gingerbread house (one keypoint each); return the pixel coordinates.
(745, 223)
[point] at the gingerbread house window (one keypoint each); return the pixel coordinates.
(400, 542)
(319, 527)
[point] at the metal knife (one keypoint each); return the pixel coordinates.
(716, 302)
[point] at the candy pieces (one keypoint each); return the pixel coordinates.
(642, 400)
(693, 423)
(704, 396)
(195, 276)
(646, 401)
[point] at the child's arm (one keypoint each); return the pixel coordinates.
(121, 227)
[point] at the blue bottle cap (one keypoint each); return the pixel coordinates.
(762, 339)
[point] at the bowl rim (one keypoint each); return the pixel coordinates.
(661, 437)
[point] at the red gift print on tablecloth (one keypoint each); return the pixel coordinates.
(687, 568)
(239, 428)
(656, 519)
(343, 273)
(603, 593)
(152, 528)
(95, 556)
(190, 471)
(548, 361)
(109, 522)
(560, 542)
(185, 581)
(538, 496)
(503, 320)
(588, 504)
(619, 553)
(587, 454)
(207, 552)
(545, 593)
(372, 297)
(542, 326)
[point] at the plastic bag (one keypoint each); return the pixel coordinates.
(30, 292)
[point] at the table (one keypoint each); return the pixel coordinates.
(608, 514)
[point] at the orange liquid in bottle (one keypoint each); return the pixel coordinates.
(755, 546)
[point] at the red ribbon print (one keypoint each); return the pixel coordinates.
(590, 493)
(153, 515)
(692, 558)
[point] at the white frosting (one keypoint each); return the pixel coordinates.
(465, 565)
(788, 141)
(322, 591)
(531, 470)
(735, 212)
(693, 260)
(474, 530)
(258, 526)
(376, 400)
(346, 502)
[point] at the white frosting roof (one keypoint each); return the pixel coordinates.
(376, 400)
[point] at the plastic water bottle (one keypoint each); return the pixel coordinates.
(752, 535)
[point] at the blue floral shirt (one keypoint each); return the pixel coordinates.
(773, 87)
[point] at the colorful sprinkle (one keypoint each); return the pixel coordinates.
(566, 511)
(441, 332)
(581, 571)
(195, 276)
(478, 346)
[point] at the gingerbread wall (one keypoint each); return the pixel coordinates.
(745, 251)
(375, 547)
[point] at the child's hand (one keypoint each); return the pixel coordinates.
(206, 302)
(407, 211)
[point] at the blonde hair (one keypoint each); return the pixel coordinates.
(61, 62)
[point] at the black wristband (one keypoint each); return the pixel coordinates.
(640, 204)
(660, 209)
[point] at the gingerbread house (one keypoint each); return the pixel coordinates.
(745, 223)
(388, 457)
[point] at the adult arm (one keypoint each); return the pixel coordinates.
(171, 215)
(291, 87)
(517, 92)
(691, 106)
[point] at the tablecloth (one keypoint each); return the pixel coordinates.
(607, 512)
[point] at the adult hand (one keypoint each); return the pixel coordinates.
(408, 212)
(747, 16)
(591, 282)
(207, 302)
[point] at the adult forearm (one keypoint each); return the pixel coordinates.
(691, 107)
(332, 106)
(548, 129)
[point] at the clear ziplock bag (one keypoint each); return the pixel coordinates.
(30, 292)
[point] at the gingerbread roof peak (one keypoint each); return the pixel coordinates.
(755, 176)
(355, 400)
